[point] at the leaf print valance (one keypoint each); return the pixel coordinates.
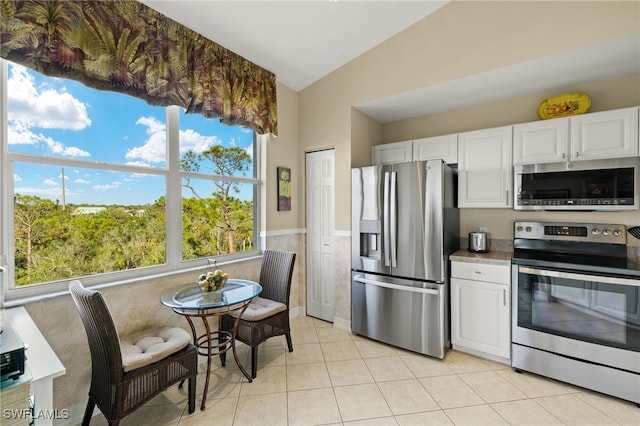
(127, 47)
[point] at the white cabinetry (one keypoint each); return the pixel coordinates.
(390, 153)
(541, 141)
(485, 168)
(445, 147)
(600, 135)
(480, 309)
(607, 134)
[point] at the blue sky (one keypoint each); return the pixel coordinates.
(63, 118)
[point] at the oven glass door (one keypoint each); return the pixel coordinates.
(591, 308)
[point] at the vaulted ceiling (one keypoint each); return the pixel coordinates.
(302, 41)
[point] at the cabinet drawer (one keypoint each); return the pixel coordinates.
(481, 272)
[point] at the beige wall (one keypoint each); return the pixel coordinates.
(604, 94)
(283, 151)
(460, 39)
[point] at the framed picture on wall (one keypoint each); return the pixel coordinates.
(284, 189)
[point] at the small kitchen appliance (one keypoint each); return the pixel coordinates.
(576, 306)
(12, 354)
(478, 242)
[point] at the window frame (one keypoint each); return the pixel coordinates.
(173, 215)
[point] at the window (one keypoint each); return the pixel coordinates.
(92, 176)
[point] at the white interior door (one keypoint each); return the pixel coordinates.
(320, 263)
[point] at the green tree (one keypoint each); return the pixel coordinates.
(228, 214)
(38, 224)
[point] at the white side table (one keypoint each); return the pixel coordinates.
(42, 363)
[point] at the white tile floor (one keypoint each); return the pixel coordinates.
(334, 378)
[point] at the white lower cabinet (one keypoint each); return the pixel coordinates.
(480, 309)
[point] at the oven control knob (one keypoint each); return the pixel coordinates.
(595, 231)
(528, 229)
(519, 228)
(605, 232)
(617, 232)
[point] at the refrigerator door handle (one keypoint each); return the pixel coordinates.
(433, 223)
(397, 286)
(385, 222)
(393, 207)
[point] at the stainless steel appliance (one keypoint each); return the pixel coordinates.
(478, 242)
(580, 185)
(576, 306)
(404, 226)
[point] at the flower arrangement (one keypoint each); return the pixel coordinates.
(212, 281)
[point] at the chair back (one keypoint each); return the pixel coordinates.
(275, 275)
(104, 344)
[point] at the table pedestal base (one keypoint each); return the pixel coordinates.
(216, 343)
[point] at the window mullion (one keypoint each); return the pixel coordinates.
(174, 189)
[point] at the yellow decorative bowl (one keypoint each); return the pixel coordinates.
(564, 105)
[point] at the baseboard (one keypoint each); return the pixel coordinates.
(298, 311)
(342, 324)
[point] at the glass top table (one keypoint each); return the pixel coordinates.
(191, 302)
(190, 298)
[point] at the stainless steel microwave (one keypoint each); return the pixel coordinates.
(581, 185)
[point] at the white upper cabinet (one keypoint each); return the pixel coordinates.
(485, 168)
(595, 136)
(607, 134)
(444, 147)
(541, 141)
(390, 153)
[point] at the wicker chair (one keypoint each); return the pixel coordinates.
(268, 315)
(119, 386)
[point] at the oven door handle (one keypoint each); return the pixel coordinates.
(579, 277)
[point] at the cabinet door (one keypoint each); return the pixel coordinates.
(480, 316)
(444, 147)
(541, 141)
(390, 153)
(485, 168)
(607, 134)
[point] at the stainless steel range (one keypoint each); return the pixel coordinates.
(576, 306)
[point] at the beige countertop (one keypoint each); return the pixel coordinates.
(492, 257)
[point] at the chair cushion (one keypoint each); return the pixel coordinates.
(260, 308)
(149, 346)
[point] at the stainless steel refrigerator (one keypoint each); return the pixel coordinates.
(404, 226)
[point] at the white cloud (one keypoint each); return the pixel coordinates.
(18, 133)
(51, 192)
(107, 187)
(192, 140)
(17, 178)
(43, 107)
(81, 181)
(50, 182)
(154, 149)
(40, 107)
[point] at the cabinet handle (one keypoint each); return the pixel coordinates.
(577, 154)
(564, 155)
(504, 297)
